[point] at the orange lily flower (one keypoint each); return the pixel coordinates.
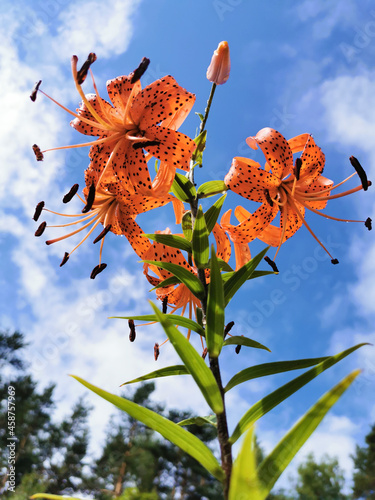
(282, 188)
(136, 121)
(110, 204)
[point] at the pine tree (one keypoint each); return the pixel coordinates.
(364, 468)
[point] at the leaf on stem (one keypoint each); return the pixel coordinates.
(241, 340)
(211, 420)
(199, 242)
(174, 318)
(171, 431)
(163, 372)
(275, 463)
(194, 363)
(211, 188)
(171, 240)
(211, 215)
(183, 188)
(215, 309)
(276, 397)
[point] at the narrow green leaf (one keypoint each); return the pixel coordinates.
(199, 242)
(275, 463)
(265, 369)
(183, 189)
(255, 274)
(211, 215)
(194, 363)
(244, 483)
(171, 240)
(276, 397)
(184, 275)
(211, 420)
(172, 280)
(241, 340)
(200, 116)
(215, 309)
(186, 225)
(239, 277)
(163, 372)
(200, 141)
(171, 431)
(174, 318)
(211, 188)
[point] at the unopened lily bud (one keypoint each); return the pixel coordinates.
(219, 69)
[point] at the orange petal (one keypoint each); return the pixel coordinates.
(315, 187)
(250, 228)
(298, 142)
(174, 148)
(249, 180)
(223, 248)
(162, 100)
(312, 161)
(242, 253)
(129, 228)
(101, 108)
(276, 150)
(120, 90)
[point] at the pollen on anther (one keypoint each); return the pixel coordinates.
(97, 270)
(103, 233)
(228, 328)
(156, 351)
(38, 210)
(71, 193)
(334, 261)
(41, 229)
(132, 333)
(271, 263)
(238, 349)
(35, 91)
(65, 259)
(82, 73)
(360, 171)
(90, 199)
(368, 223)
(137, 73)
(38, 154)
(165, 305)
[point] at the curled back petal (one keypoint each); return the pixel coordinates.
(120, 90)
(312, 161)
(276, 150)
(248, 179)
(100, 106)
(223, 248)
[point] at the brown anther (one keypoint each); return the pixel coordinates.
(368, 223)
(297, 168)
(90, 199)
(237, 349)
(137, 73)
(228, 328)
(35, 91)
(132, 330)
(144, 144)
(82, 73)
(156, 351)
(271, 263)
(334, 261)
(97, 270)
(38, 154)
(41, 229)
(65, 259)
(268, 197)
(72, 192)
(360, 171)
(103, 233)
(204, 353)
(165, 305)
(38, 210)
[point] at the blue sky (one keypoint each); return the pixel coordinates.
(305, 68)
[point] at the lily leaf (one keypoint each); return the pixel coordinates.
(238, 278)
(163, 372)
(215, 309)
(211, 188)
(255, 274)
(171, 240)
(50, 496)
(211, 420)
(241, 340)
(265, 369)
(275, 463)
(184, 275)
(172, 280)
(194, 363)
(200, 141)
(244, 482)
(199, 242)
(183, 189)
(186, 226)
(174, 318)
(211, 215)
(171, 431)
(276, 397)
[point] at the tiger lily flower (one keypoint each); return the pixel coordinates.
(282, 187)
(108, 204)
(136, 122)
